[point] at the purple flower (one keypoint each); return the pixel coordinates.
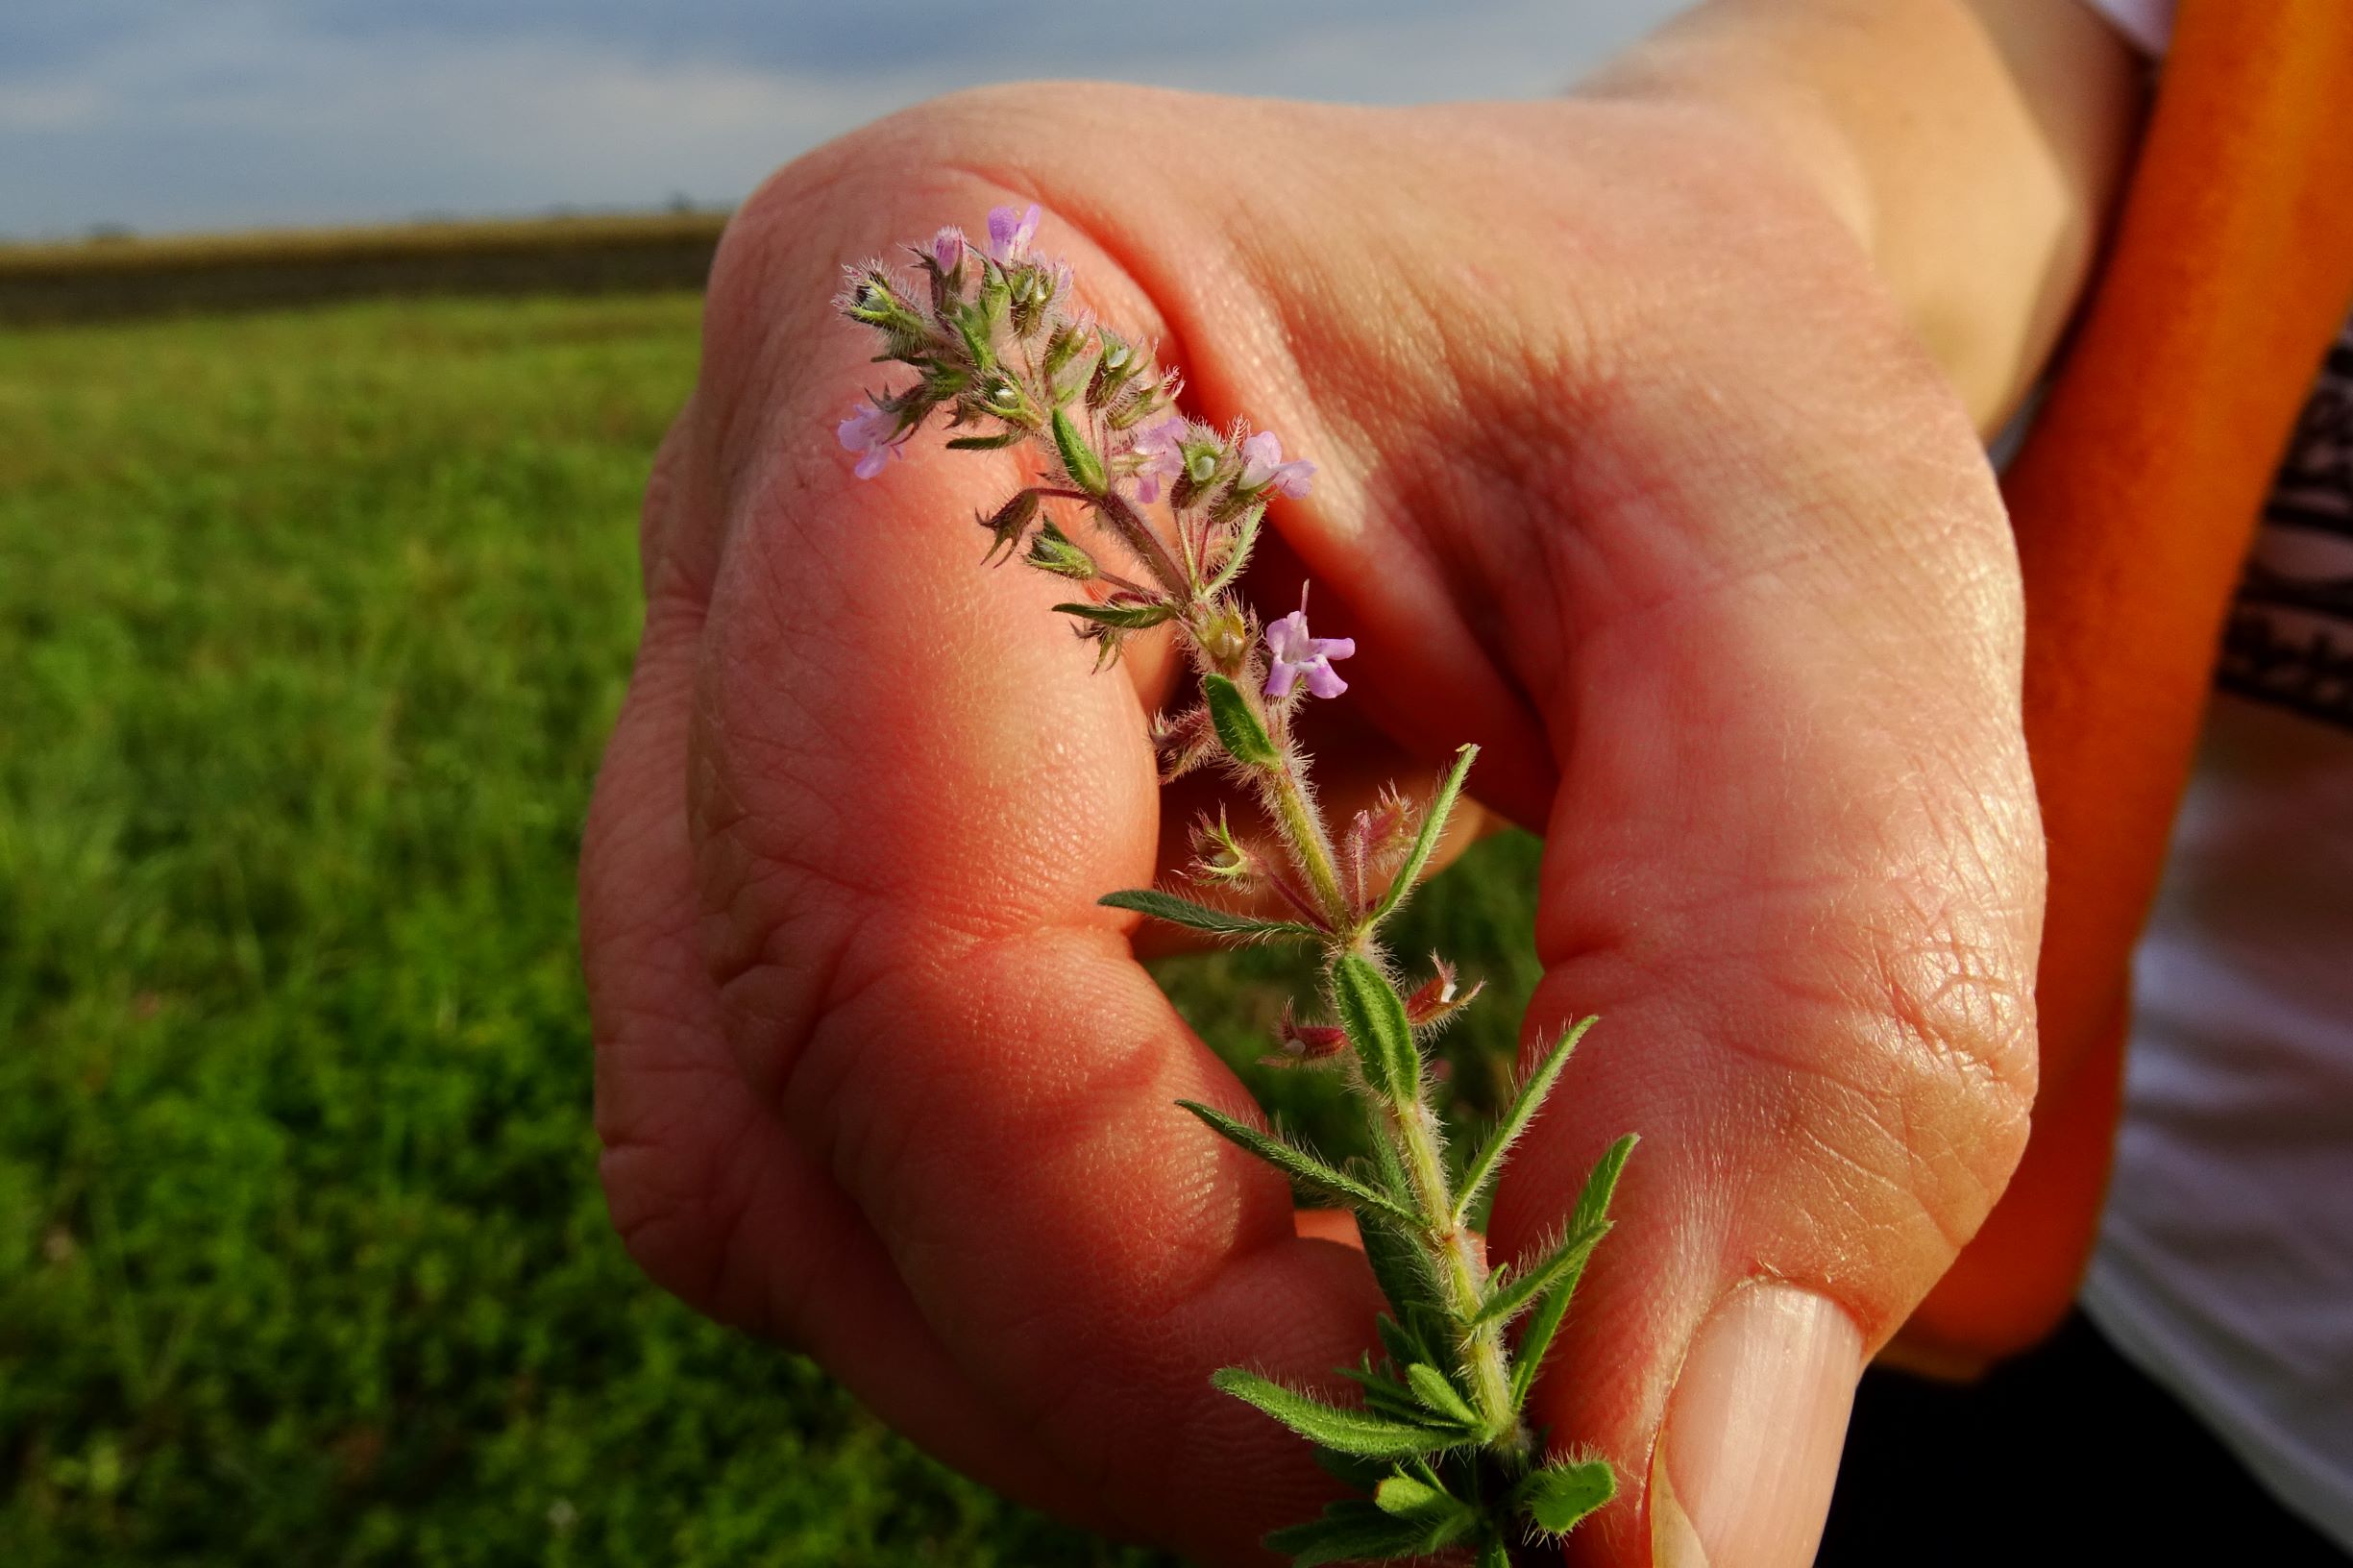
(875, 434)
(1010, 234)
(1159, 445)
(947, 249)
(1262, 465)
(1298, 653)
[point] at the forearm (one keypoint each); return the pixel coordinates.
(1975, 147)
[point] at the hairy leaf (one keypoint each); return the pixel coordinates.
(1078, 458)
(1245, 738)
(1592, 1211)
(1443, 1517)
(1490, 1158)
(1220, 923)
(1559, 1495)
(1295, 1162)
(1439, 1396)
(1426, 842)
(1119, 617)
(1349, 1531)
(1349, 1432)
(985, 442)
(1375, 1020)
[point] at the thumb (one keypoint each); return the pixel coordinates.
(1806, 906)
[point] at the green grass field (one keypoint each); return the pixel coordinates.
(310, 629)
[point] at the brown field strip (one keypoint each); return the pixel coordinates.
(102, 279)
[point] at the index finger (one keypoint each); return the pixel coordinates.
(910, 790)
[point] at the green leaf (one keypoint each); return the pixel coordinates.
(1356, 1474)
(985, 442)
(1559, 1495)
(1245, 535)
(1405, 1347)
(1295, 1162)
(1439, 1396)
(1375, 1022)
(1562, 1266)
(1238, 725)
(1490, 1158)
(1350, 1530)
(1493, 1555)
(1085, 468)
(1592, 1209)
(1122, 617)
(1349, 1432)
(1443, 1517)
(1433, 823)
(1220, 923)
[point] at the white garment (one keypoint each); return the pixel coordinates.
(2224, 1269)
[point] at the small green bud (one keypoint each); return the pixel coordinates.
(1078, 458)
(1225, 637)
(972, 324)
(1062, 348)
(1111, 368)
(1050, 550)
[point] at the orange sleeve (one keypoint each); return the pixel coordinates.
(2134, 502)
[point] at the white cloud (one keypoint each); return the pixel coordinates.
(237, 113)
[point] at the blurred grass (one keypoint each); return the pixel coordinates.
(310, 629)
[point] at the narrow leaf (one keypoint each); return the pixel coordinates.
(1078, 458)
(1592, 1209)
(1433, 823)
(1119, 617)
(1405, 1347)
(1562, 1266)
(1348, 1431)
(985, 442)
(1490, 1158)
(1221, 922)
(1295, 1162)
(1356, 1474)
(1443, 1517)
(1558, 1495)
(1439, 1396)
(1376, 1023)
(1403, 1270)
(1245, 738)
(1350, 1530)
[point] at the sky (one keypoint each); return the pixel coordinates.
(170, 115)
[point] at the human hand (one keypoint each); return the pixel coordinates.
(1630, 474)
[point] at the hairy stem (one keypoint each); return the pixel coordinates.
(1461, 1272)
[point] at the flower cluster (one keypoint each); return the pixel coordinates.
(1440, 1450)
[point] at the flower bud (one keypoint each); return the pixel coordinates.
(1183, 742)
(1435, 1001)
(1226, 637)
(1060, 349)
(1005, 528)
(1113, 368)
(1306, 1043)
(1050, 550)
(1219, 858)
(1078, 458)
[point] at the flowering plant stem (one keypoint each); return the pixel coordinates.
(1440, 1450)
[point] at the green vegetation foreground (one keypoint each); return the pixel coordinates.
(311, 626)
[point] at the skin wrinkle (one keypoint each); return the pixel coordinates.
(1687, 1063)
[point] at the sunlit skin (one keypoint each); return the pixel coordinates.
(1628, 468)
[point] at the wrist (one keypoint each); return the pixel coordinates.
(1972, 147)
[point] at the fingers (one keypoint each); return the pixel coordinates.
(1793, 867)
(710, 1195)
(909, 790)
